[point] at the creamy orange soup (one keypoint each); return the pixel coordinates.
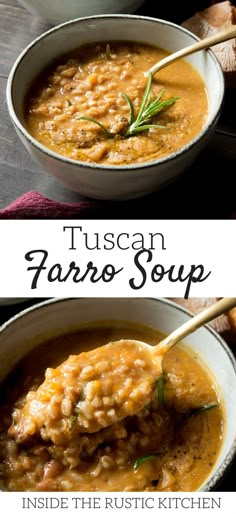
(90, 82)
(170, 445)
(88, 392)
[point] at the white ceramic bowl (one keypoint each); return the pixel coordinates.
(58, 11)
(103, 181)
(56, 317)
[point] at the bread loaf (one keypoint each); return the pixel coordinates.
(225, 324)
(215, 18)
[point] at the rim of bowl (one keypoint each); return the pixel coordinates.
(211, 483)
(98, 167)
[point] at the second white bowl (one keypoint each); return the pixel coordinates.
(58, 11)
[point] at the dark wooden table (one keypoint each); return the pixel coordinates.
(200, 194)
(6, 312)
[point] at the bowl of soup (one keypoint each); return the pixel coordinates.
(74, 93)
(184, 439)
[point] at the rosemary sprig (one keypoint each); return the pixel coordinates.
(149, 108)
(203, 408)
(144, 459)
(131, 108)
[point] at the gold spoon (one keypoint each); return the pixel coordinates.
(154, 355)
(108, 384)
(220, 37)
(187, 328)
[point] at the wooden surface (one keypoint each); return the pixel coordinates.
(199, 193)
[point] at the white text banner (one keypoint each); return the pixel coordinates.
(192, 258)
(133, 503)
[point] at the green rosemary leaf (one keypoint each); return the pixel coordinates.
(97, 123)
(72, 421)
(74, 416)
(135, 130)
(81, 397)
(158, 97)
(131, 108)
(203, 408)
(144, 459)
(165, 103)
(145, 98)
(160, 389)
(157, 107)
(156, 103)
(149, 100)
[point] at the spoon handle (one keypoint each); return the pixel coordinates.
(194, 323)
(224, 35)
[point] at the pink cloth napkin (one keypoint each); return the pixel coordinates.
(34, 205)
